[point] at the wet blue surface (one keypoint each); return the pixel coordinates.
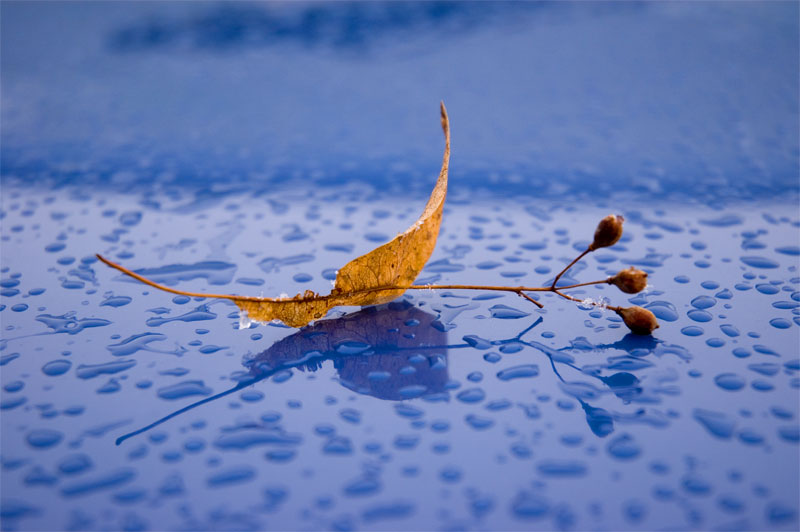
(254, 149)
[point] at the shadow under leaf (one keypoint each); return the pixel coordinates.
(391, 352)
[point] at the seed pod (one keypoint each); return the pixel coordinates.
(639, 320)
(608, 232)
(630, 281)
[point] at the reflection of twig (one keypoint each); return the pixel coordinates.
(555, 370)
(531, 326)
(239, 386)
(319, 359)
(192, 406)
(322, 357)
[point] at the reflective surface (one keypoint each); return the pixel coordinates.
(254, 149)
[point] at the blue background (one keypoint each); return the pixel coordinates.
(256, 148)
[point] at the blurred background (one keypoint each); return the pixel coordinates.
(695, 100)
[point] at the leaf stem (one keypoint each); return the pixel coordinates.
(519, 290)
(148, 282)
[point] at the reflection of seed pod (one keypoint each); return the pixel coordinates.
(608, 232)
(639, 320)
(371, 351)
(630, 281)
(600, 421)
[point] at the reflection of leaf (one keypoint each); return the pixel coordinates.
(396, 263)
(369, 350)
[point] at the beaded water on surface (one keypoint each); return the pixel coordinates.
(160, 136)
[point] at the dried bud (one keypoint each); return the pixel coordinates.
(639, 320)
(608, 232)
(630, 281)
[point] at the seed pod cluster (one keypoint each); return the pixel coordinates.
(630, 281)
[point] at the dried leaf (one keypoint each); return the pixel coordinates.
(359, 282)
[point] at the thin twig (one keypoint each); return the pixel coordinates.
(570, 265)
(529, 298)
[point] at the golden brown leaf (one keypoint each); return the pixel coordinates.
(358, 283)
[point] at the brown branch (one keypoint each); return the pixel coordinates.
(529, 298)
(148, 282)
(570, 265)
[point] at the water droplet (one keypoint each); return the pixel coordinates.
(693, 484)
(245, 438)
(789, 433)
(517, 372)
(759, 262)
(768, 289)
(105, 481)
(729, 381)
(471, 395)
(765, 368)
(703, 302)
(715, 342)
(56, 367)
(700, 316)
(692, 330)
(44, 438)
(232, 475)
(351, 415)
(450, 474)
(623, 447)
(86, 371)
(74, 463)
(789, 250)
(362, 486)
(251, 396)
(780, 323)
(562, 468)
(116, 301)
(729, 330)
(479, 422)
(527, 505)
(492, 358)
(762, 385)
(778, 513)
(663, 310)
(406, 441)
(408, 411)
(504, 312)
(184, 389)
(750, 437)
